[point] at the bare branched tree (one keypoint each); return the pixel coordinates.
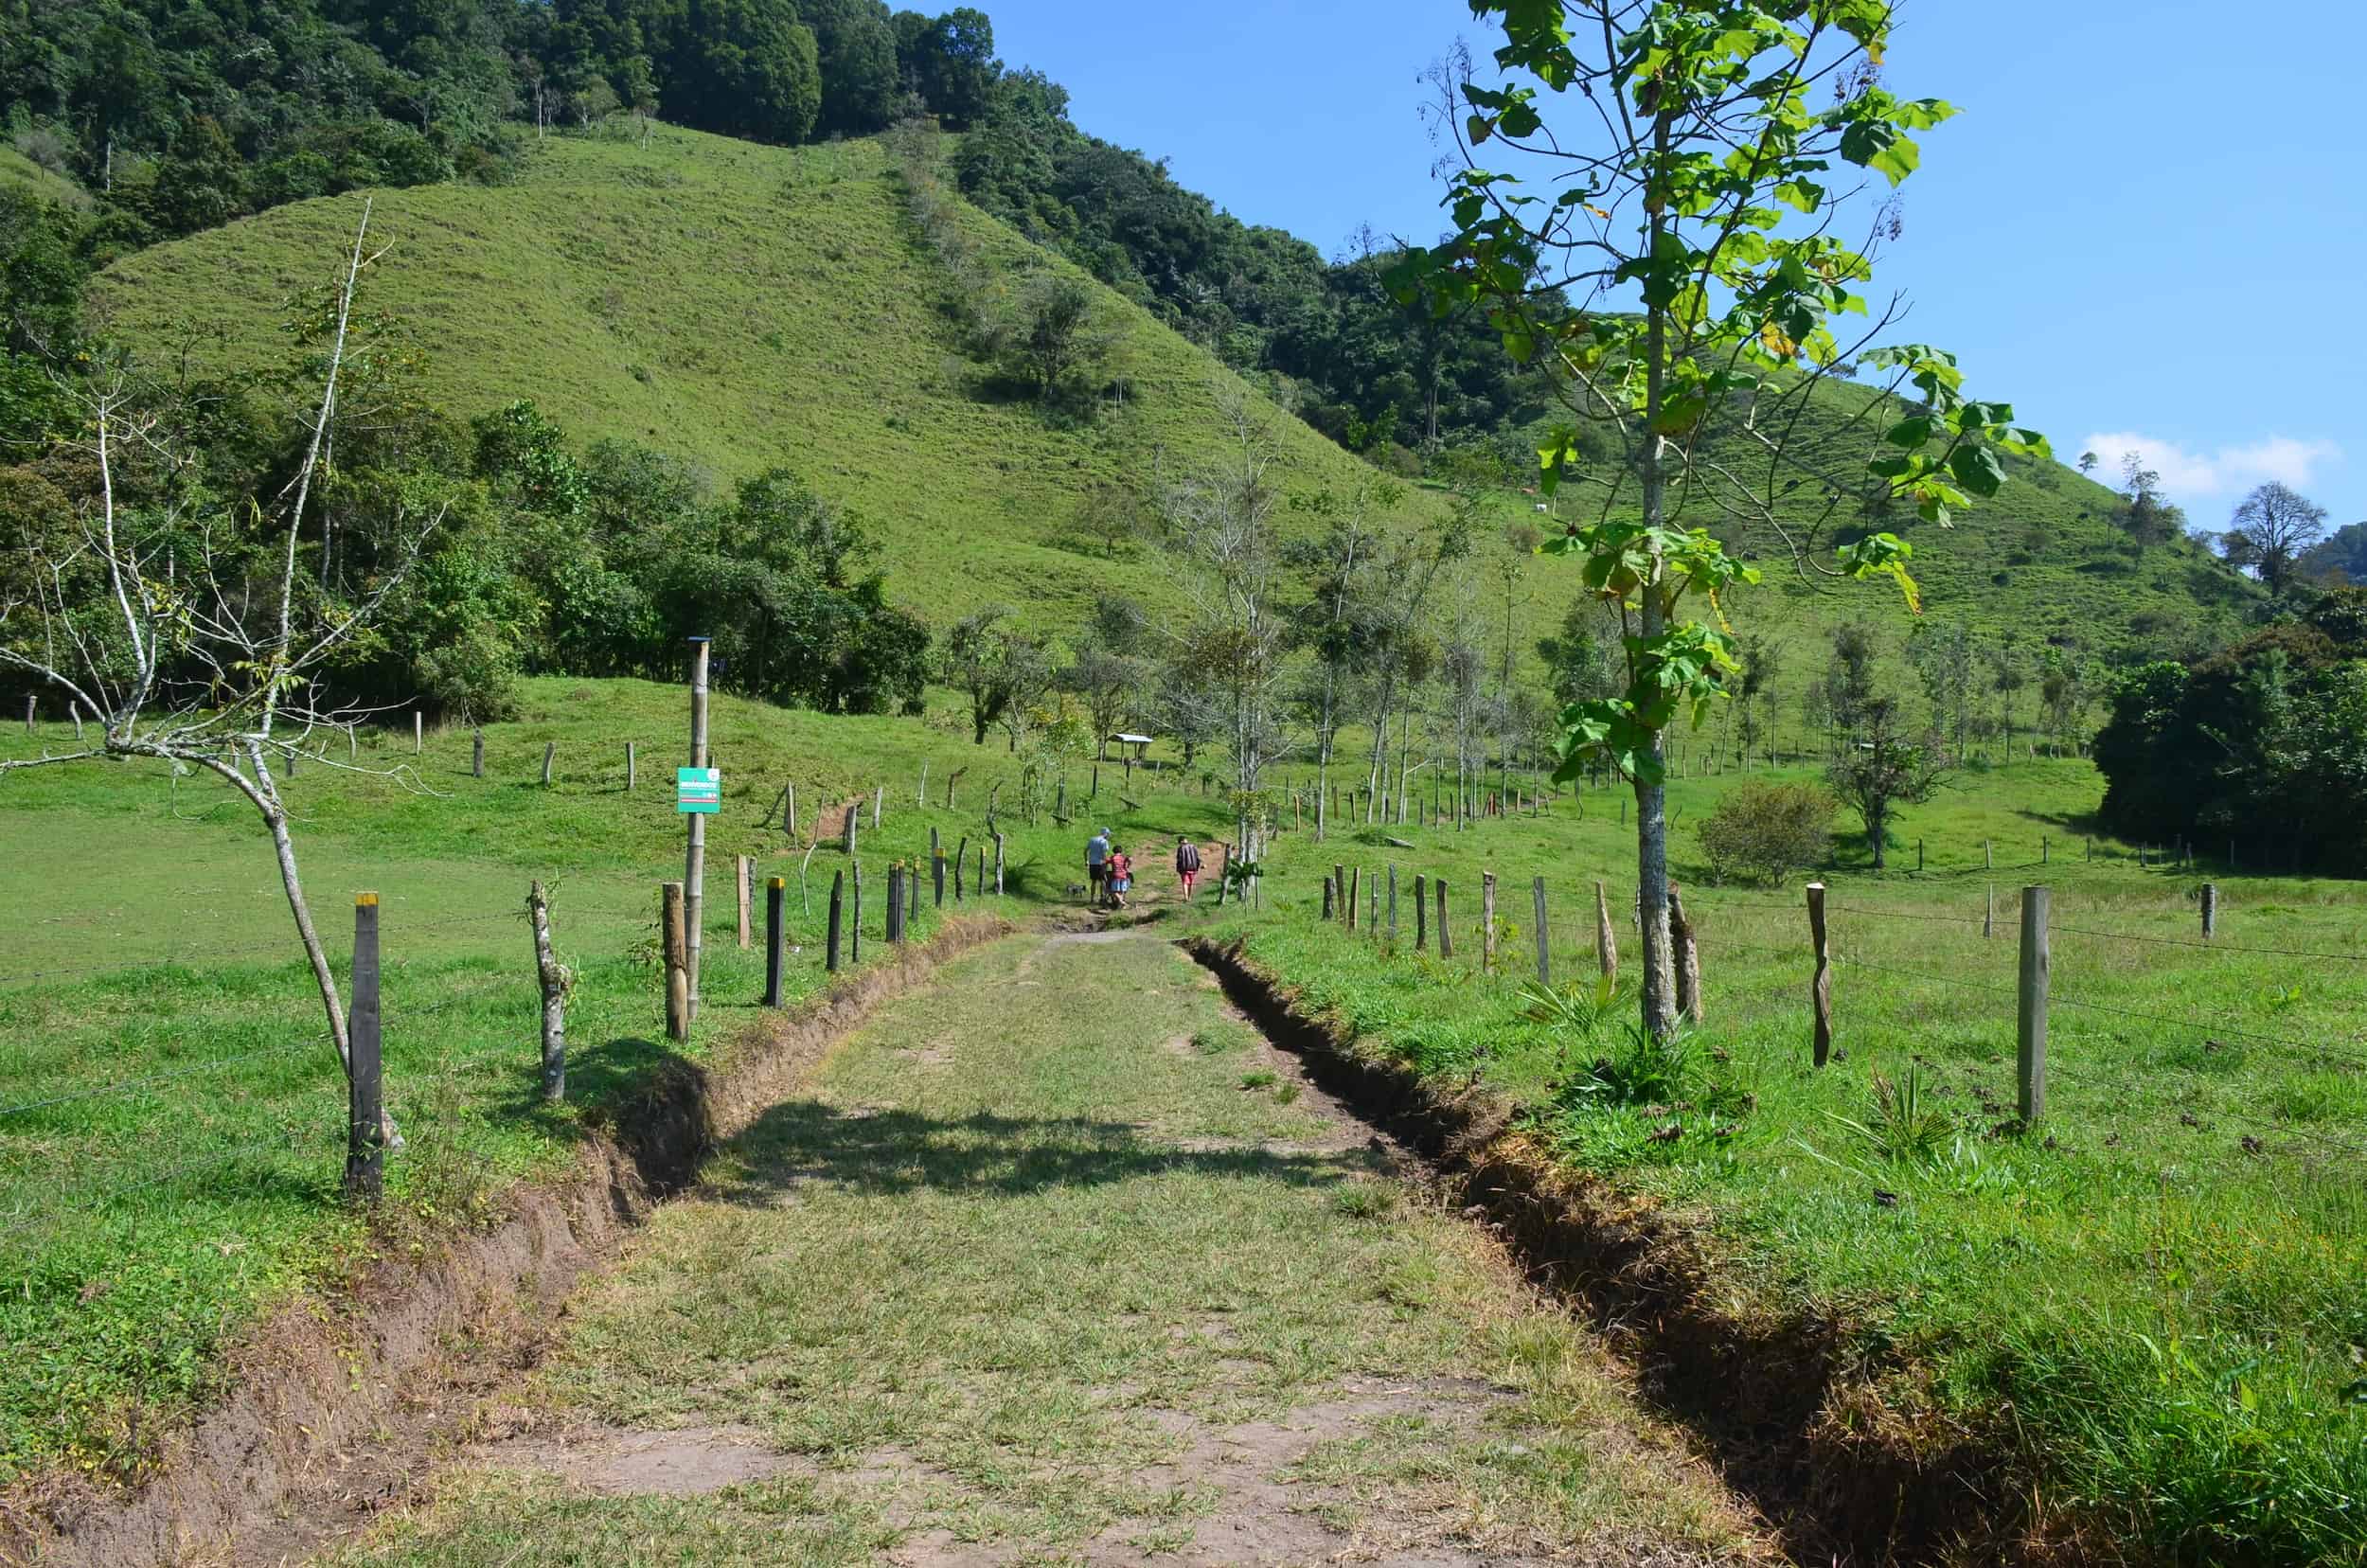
(194, 642)
(1219, 518)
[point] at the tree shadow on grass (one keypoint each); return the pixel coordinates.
(891, 1151)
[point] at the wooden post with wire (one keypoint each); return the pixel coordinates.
(554, 979)
(670, 923)
(1606, 939)
(1821, 989)
(1488, 921)
(838, 894)
(419, 729)
(476, 755)
(1446, 933)
(366, 1144)
(1421, 914)
(2210, 910)
(776, 936)
(1545, 960)
(633, 765)
(2031, 1013)
(1688, 955)
(550, 750)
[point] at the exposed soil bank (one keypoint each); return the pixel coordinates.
(1797, 1426)
(333, 1400)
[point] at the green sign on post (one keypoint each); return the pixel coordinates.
(698, 790)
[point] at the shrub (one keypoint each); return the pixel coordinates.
(1767, 830)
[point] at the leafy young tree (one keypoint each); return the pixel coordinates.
(1686, 268)
(2272, 530)
(1767, 830)
(1879, 772)
(2146, 513)
(969, 659)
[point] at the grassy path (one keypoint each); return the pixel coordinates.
(1059, 1261)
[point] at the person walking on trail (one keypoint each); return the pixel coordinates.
(1096, 865)
(1121, 878)
(1186, 865)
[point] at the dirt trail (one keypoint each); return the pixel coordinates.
(1060, 1260)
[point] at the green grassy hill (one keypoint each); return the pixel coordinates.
(743, 307)
(747, 306)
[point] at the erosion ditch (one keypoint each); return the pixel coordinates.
(1840, 1456)
(335, 1398)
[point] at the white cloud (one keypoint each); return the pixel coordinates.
(2202, 480)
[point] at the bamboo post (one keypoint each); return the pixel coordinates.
(554, 981)
(1446, 931)
(2030, 1014)
(1606, 940)
(1688, 956)
(1488, 921)
(2210, 910)
(365, 1139)
(776, 936)
(746, 876)
(1821, 989)
(1544, 961)
(838, 891)
(677, 980)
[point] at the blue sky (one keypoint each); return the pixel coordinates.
(2146, 229)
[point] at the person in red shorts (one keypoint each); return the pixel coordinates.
(1186, 865)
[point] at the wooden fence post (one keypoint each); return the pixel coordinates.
(788, 808)
(1821, 989)
(1988, 855)
(1446, 931)
(365, 1143)
(893, 930)
(879, 800)
(1545, 962)
(32, 700)
(936, 869)
(2210, 910)
(2036, 964)
(1688, 956)
(854, 914)
(1988, 912)
(961, 852)
(418, 728)
(1421, 914)
(1606, 940)
(633, 765)
(677, 962)
(921, 796)
(847, 829)
(476, 755)
(838, 888)
(1488, 921)
(998, 866)
(776, 936)
(1393, 903)
(550, 749)
(554, 980)
(746, 874)
(1356, 894)
(1330, 910)
(1371, 905)
(1918, 854)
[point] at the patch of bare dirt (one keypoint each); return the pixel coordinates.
(618, 1462)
